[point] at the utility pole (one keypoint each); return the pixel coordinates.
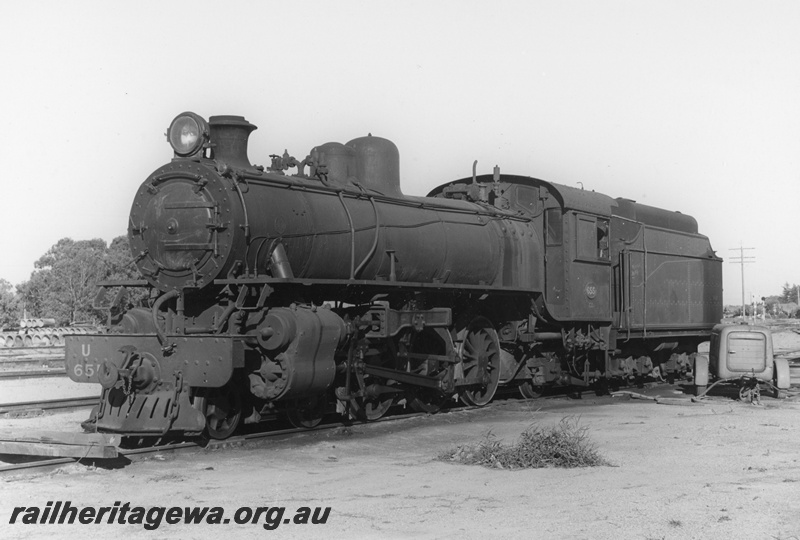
(742, 260)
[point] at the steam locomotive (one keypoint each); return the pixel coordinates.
(317, 285)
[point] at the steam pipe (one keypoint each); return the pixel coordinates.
(157, 307)
(374, 242)
(352, 237)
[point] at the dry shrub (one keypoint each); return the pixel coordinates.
(563, 445)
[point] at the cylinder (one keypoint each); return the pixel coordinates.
(299, 345)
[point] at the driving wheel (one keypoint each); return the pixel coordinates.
(481, 362)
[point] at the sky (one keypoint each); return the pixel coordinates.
(691, 106)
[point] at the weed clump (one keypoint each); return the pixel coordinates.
(563, 445)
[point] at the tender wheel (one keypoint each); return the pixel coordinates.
(481, 361)
(528, 391)
(222, 408)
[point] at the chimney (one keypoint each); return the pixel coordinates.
(229, 136)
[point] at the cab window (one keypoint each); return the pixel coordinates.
(554, 226)
(592, 238)
(528, 199)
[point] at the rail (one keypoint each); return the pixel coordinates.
(33, 374)
(29, 407)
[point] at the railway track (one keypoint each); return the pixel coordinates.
(31, 359)
(22, 351)
(33, 374)
(29, 366)
(33, 408)
(127, 456)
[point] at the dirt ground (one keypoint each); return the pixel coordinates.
(720, 469)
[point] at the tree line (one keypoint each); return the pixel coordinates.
(64, 282)
(779, 305)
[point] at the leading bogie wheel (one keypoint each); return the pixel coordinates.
(307, 414)
(302, 418)
(222, 408)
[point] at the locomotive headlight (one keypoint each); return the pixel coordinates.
(187, 133)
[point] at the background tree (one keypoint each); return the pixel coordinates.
(10, 308)
(789, 293)
(119, 267)
(69, 272)
(771, 304)
(65, 280)
(119, 263)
